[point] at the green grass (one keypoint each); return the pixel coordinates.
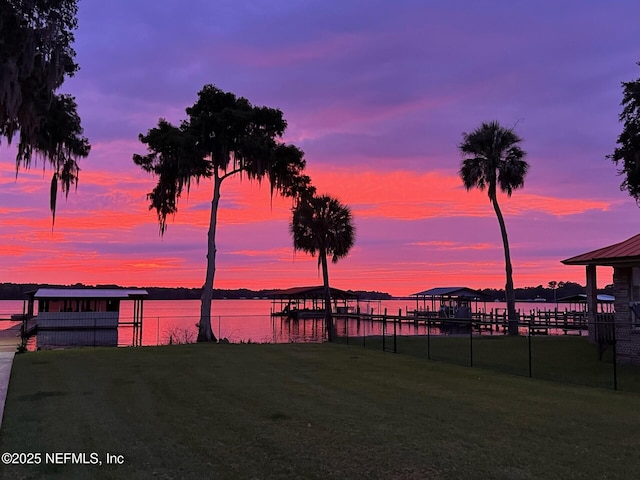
(567, 359)
(308, 411)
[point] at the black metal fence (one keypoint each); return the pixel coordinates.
(554, 349)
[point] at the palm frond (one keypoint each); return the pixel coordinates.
(322, 224)
(492, 159)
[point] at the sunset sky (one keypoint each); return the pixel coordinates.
(377, 94)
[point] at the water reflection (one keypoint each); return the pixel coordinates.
(239, 321)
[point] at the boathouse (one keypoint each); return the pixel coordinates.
(73, 317)
(448, 302)
(578, 302)
(299, 302)
(622, 326)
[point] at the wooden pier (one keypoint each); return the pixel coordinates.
(536, 322)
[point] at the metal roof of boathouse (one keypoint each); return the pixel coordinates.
(312, 292)
(113, 293)
(582, 298)
(627, 251)
(457, 292)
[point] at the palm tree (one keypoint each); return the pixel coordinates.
(322, 225)
(225, 135)
(492, 158)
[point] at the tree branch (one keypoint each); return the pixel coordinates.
(232, 172)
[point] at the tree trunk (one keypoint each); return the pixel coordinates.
(328, 318)
(205, 334)
(512, 315)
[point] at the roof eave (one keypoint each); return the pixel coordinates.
(604, 262)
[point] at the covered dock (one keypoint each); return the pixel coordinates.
(70, 317)
(300, 302)
(578, 302)
(448, 302)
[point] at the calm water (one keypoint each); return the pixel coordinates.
(175, 321)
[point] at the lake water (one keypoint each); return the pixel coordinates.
(174, 321)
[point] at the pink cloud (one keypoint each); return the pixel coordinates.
(105, 233)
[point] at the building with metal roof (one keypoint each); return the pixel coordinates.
(298, 302)
(621, 253)
(117, 293)
(448, 302)
(458, 292)
(312, 292)
(71, 317)
(623, 326)
(582, 298)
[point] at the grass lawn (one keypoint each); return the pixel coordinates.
(308, 411)
(567, 359)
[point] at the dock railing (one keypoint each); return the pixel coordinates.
(539, 321)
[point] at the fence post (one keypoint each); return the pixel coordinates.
(529, 341)
(615, 357)
(346, 328)
(364, 334)
(141, 320)
(384, 328)
(395, 344)
(490, 322)
(428, 338)
(471, 343)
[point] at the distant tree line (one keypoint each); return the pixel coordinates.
(18, 291)
(563, 289)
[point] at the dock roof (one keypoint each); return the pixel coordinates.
(458, 292)
(112, 293)
(627, 251)
(312, 292)
(582, 298)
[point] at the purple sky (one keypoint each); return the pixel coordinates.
(377, 94)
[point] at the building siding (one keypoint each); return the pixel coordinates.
(74, 329)
(78, 319)
(627, 336)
